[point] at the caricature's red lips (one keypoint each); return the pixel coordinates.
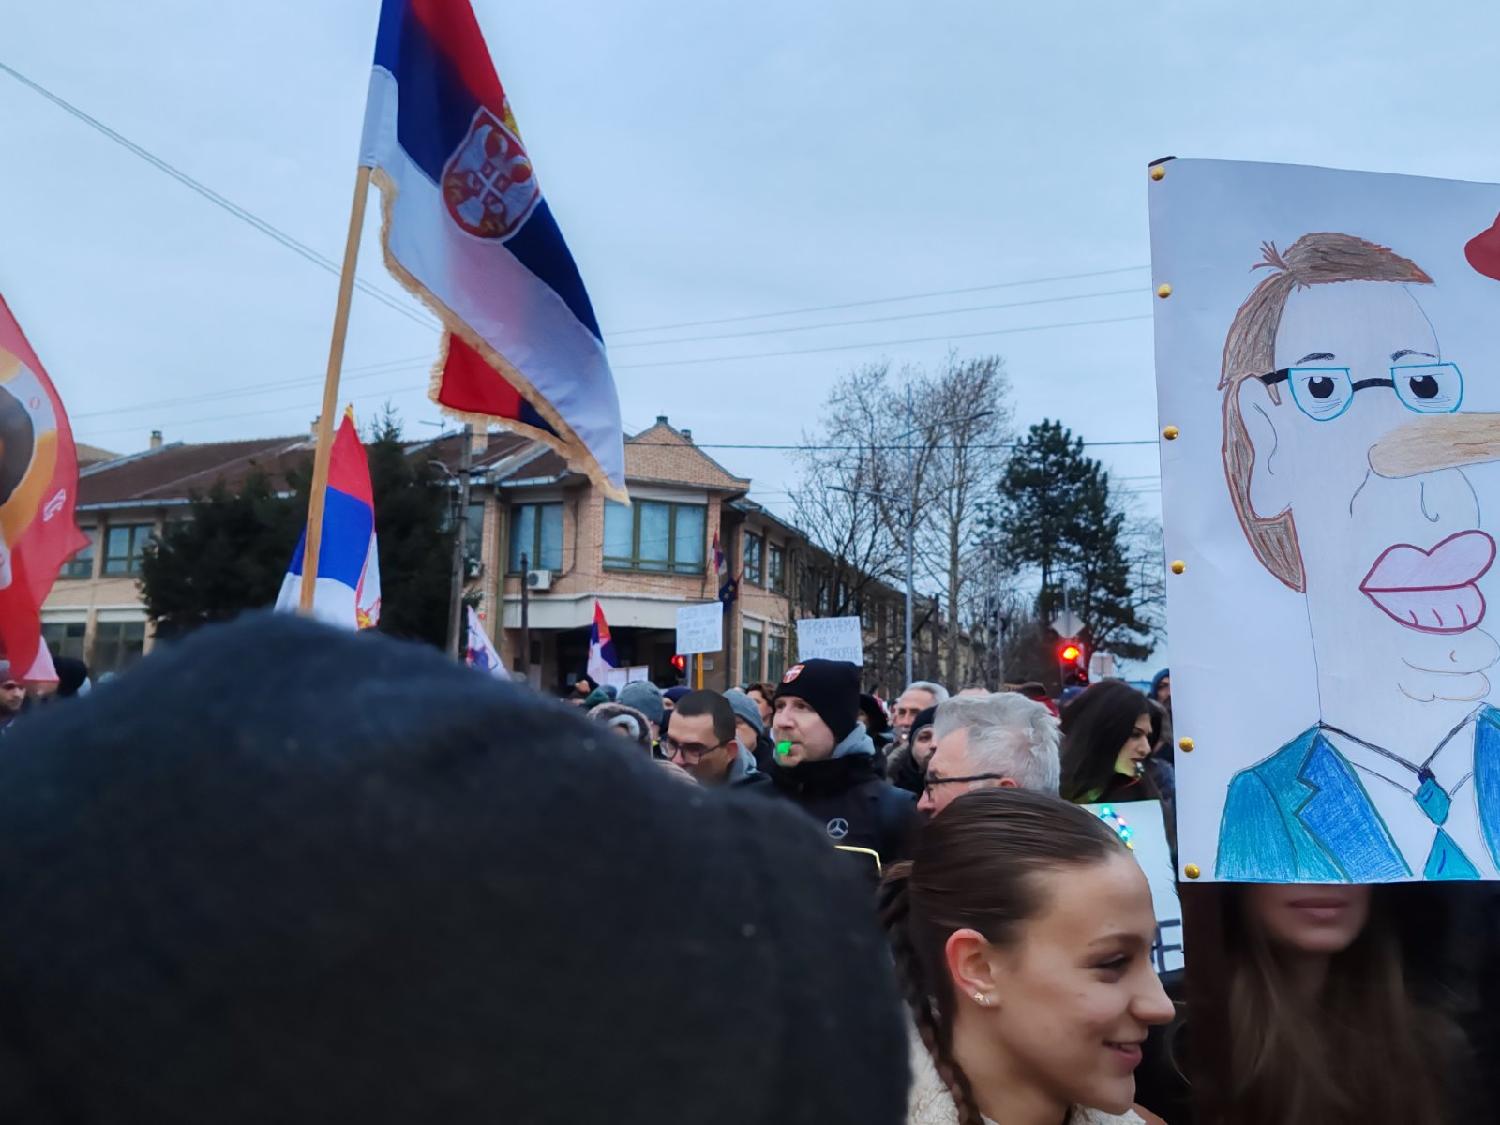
(1433, 590)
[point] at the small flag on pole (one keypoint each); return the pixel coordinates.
(602, 659)
(481, 650)
(38, 491)
(468, 230)
(347, 591)
(728, 587)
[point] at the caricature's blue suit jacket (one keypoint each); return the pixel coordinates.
(1303, 816)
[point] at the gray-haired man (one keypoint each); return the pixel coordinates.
(994, 741)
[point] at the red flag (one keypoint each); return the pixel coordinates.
(38, 491)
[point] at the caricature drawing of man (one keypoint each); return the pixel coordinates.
(1344, 451)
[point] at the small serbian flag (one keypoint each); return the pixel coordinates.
(481, 652)
(38, 490)
(468, 231)
(602, 657)
(347, 591)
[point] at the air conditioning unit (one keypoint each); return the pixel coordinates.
(539, 580)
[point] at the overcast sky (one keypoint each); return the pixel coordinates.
(706, 161)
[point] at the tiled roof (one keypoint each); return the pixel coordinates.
(177, 471)
(662, 454)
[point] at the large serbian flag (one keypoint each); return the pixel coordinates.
(38, 490)
(467, 229)
(347, 589)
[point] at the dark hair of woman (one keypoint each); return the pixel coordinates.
(974, 867)
(1365, 1048)
(1096, 725)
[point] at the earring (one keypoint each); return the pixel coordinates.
(981, 998)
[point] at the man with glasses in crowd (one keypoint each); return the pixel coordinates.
(1000, 741)
(701, 739)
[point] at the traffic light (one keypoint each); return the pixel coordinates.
(679, 664)
(1072, 662)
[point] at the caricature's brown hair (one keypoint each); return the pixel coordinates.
(977, 866)
(1250, 350)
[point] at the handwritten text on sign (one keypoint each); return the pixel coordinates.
(830, 638)
(700, 628)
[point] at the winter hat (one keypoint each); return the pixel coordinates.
(617, 716)
(72, 677)
(875, 716)
(264, 884)
(644, 697)
(925, 718)
(745, 708)
(829, 687)
(5, 673)
(676, 693)
(596, 697)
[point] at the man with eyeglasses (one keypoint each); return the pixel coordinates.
(1344, 451)
(701, 739)
(1000, 741)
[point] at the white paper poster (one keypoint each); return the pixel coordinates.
(831, 638)
(700, 628)
(1328, 372)
(1141, 824)
(619, 677)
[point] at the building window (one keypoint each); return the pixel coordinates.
(536, 531)
(868, 615)
(654, 535)
(117, 645)
(750, 657)
(775, 658)
(776, 567)
(474, 533)
(754, 546)
(64, 638)
(823, 600)
(81, 565)
(124, 544)
(841, 599)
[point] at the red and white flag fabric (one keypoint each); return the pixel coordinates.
(38, 493)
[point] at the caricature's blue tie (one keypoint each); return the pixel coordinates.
(1447, 859)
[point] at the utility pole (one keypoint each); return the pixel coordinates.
(911, 523)
(525, 621)
(460, 538)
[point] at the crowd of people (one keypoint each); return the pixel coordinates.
(283, 873)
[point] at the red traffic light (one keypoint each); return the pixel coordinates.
(679, 663)
(1069, 652)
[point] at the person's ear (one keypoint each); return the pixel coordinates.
(1008, 783)
(970, 961)
(1271, 478)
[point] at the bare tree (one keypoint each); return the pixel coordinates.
(908, 459)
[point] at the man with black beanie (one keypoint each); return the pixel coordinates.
(284, 874)
(825, 762)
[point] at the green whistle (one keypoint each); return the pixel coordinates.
(783, 749)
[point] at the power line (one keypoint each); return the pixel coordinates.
(246, 216)
(882, 343)
(880, 300)
(881, 319)
(388, 367)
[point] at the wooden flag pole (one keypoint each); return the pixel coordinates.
(331, 393)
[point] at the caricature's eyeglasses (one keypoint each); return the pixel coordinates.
(1323, 393)
(933, 782)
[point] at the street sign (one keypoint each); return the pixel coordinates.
(831, 638)
(700, 628)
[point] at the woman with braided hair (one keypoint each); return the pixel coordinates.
(1022, 930)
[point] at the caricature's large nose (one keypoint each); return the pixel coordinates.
(1440, 441)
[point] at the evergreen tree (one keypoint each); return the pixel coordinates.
(1055, 513)
(231, 553)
